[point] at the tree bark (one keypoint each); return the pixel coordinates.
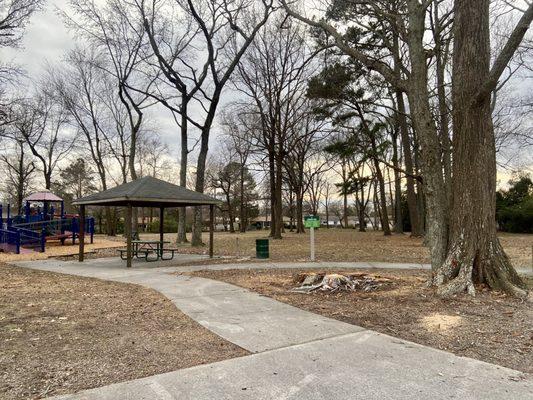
(278, 195)
(299, 212)
(182, 211)
(441, 56)
(475, 254)
(436, 211)
(200, 176)
(416, 228)
(242, 216)
(231, 217)
(398, 220)
(344, 195)
(273, 197)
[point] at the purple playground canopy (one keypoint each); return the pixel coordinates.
(43, 196)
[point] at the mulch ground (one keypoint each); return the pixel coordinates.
(491, 326)
(61, 334)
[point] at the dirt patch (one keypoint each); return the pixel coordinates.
(438, 322)
(490, 327)
(61, 334)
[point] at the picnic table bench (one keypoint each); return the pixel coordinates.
(149, 250)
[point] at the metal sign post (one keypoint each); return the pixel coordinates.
(312, 244)
(312, 222)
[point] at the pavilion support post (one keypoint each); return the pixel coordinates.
(81, 233)
(128, 236)
(161, 223)
(211, 228)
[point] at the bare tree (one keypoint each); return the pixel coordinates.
(238, 134)
(220, 33)
(19, 170)
(42, 124)
(82, 86)
(14, 16)
(273, 76)
(326, 191)
(301, 164)
(120, 36)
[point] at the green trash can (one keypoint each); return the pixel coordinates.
(261, 248)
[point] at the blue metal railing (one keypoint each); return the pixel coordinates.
(34, 234)
(10, 240)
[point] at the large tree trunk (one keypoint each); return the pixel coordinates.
(48, 180)
(441, 56)
(200, 171)
(436, 214)
(20, 179)
(327, 215)
(199, 187)
(398, 220)
(278, 205)
(273, 198)
(383, 215)
(344, 196)
(299, 212)
(231, 216)
(182, 211)
(416, 227)
(242, 216)
(361, 216)
(416, 223)
(475, 254)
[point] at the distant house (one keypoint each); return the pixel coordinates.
(334, 221)
(263, 222)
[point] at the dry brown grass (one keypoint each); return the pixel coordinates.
(61, 334)
(55, 249)
(346, 245)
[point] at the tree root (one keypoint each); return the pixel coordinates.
(467, 265)
(457, 286)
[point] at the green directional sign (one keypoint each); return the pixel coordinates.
(312, 221)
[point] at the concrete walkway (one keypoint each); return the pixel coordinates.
(298, 355)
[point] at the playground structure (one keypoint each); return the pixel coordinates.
(39, 225)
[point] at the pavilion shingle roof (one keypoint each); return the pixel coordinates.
(147, 192)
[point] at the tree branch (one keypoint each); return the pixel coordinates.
(506, 54)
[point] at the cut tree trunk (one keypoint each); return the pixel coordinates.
(475, 254)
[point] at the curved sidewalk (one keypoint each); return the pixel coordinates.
(299, 355)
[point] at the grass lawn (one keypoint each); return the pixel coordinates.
(490, 327)
(345, 245)
(61, 334)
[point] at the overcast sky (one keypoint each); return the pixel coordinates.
(47, 40)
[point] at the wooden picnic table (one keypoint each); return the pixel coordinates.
(144, 249)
